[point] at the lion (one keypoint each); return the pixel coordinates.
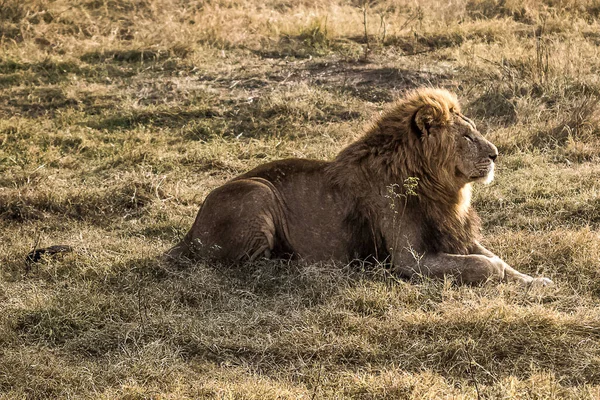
(400, 195)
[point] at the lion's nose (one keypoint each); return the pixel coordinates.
(491, 150)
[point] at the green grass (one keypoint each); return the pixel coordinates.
(117, 118)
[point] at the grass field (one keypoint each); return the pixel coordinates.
(118, 117)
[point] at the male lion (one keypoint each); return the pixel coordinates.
(355, 207)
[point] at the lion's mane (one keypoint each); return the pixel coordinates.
(394, 149)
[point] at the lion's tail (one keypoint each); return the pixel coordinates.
(180, 250)
(36, 255)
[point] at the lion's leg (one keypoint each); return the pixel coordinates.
(510, 274)
(466, 268)
(236, 222)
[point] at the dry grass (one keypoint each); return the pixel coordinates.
(118, 117)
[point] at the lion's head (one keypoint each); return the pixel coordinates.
(446, 141)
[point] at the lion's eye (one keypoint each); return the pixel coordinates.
(469, 138)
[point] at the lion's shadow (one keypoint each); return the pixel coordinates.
(277, 315)
(323, 313)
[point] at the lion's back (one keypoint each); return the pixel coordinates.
(315, 212)
(280, 171)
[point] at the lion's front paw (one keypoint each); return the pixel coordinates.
(542, 282)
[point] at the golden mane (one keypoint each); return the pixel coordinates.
(439, 103)
(394, 148)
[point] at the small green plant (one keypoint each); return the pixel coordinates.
(315, 35)
(398, 201)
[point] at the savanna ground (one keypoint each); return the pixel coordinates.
(118, 117)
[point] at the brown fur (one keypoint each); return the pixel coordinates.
(357, 206)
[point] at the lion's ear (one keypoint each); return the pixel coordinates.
(423, 120)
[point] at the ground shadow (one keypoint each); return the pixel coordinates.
(368, 82)
(134, 55)
(170, 118)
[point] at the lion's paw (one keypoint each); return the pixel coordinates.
(542, 282)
